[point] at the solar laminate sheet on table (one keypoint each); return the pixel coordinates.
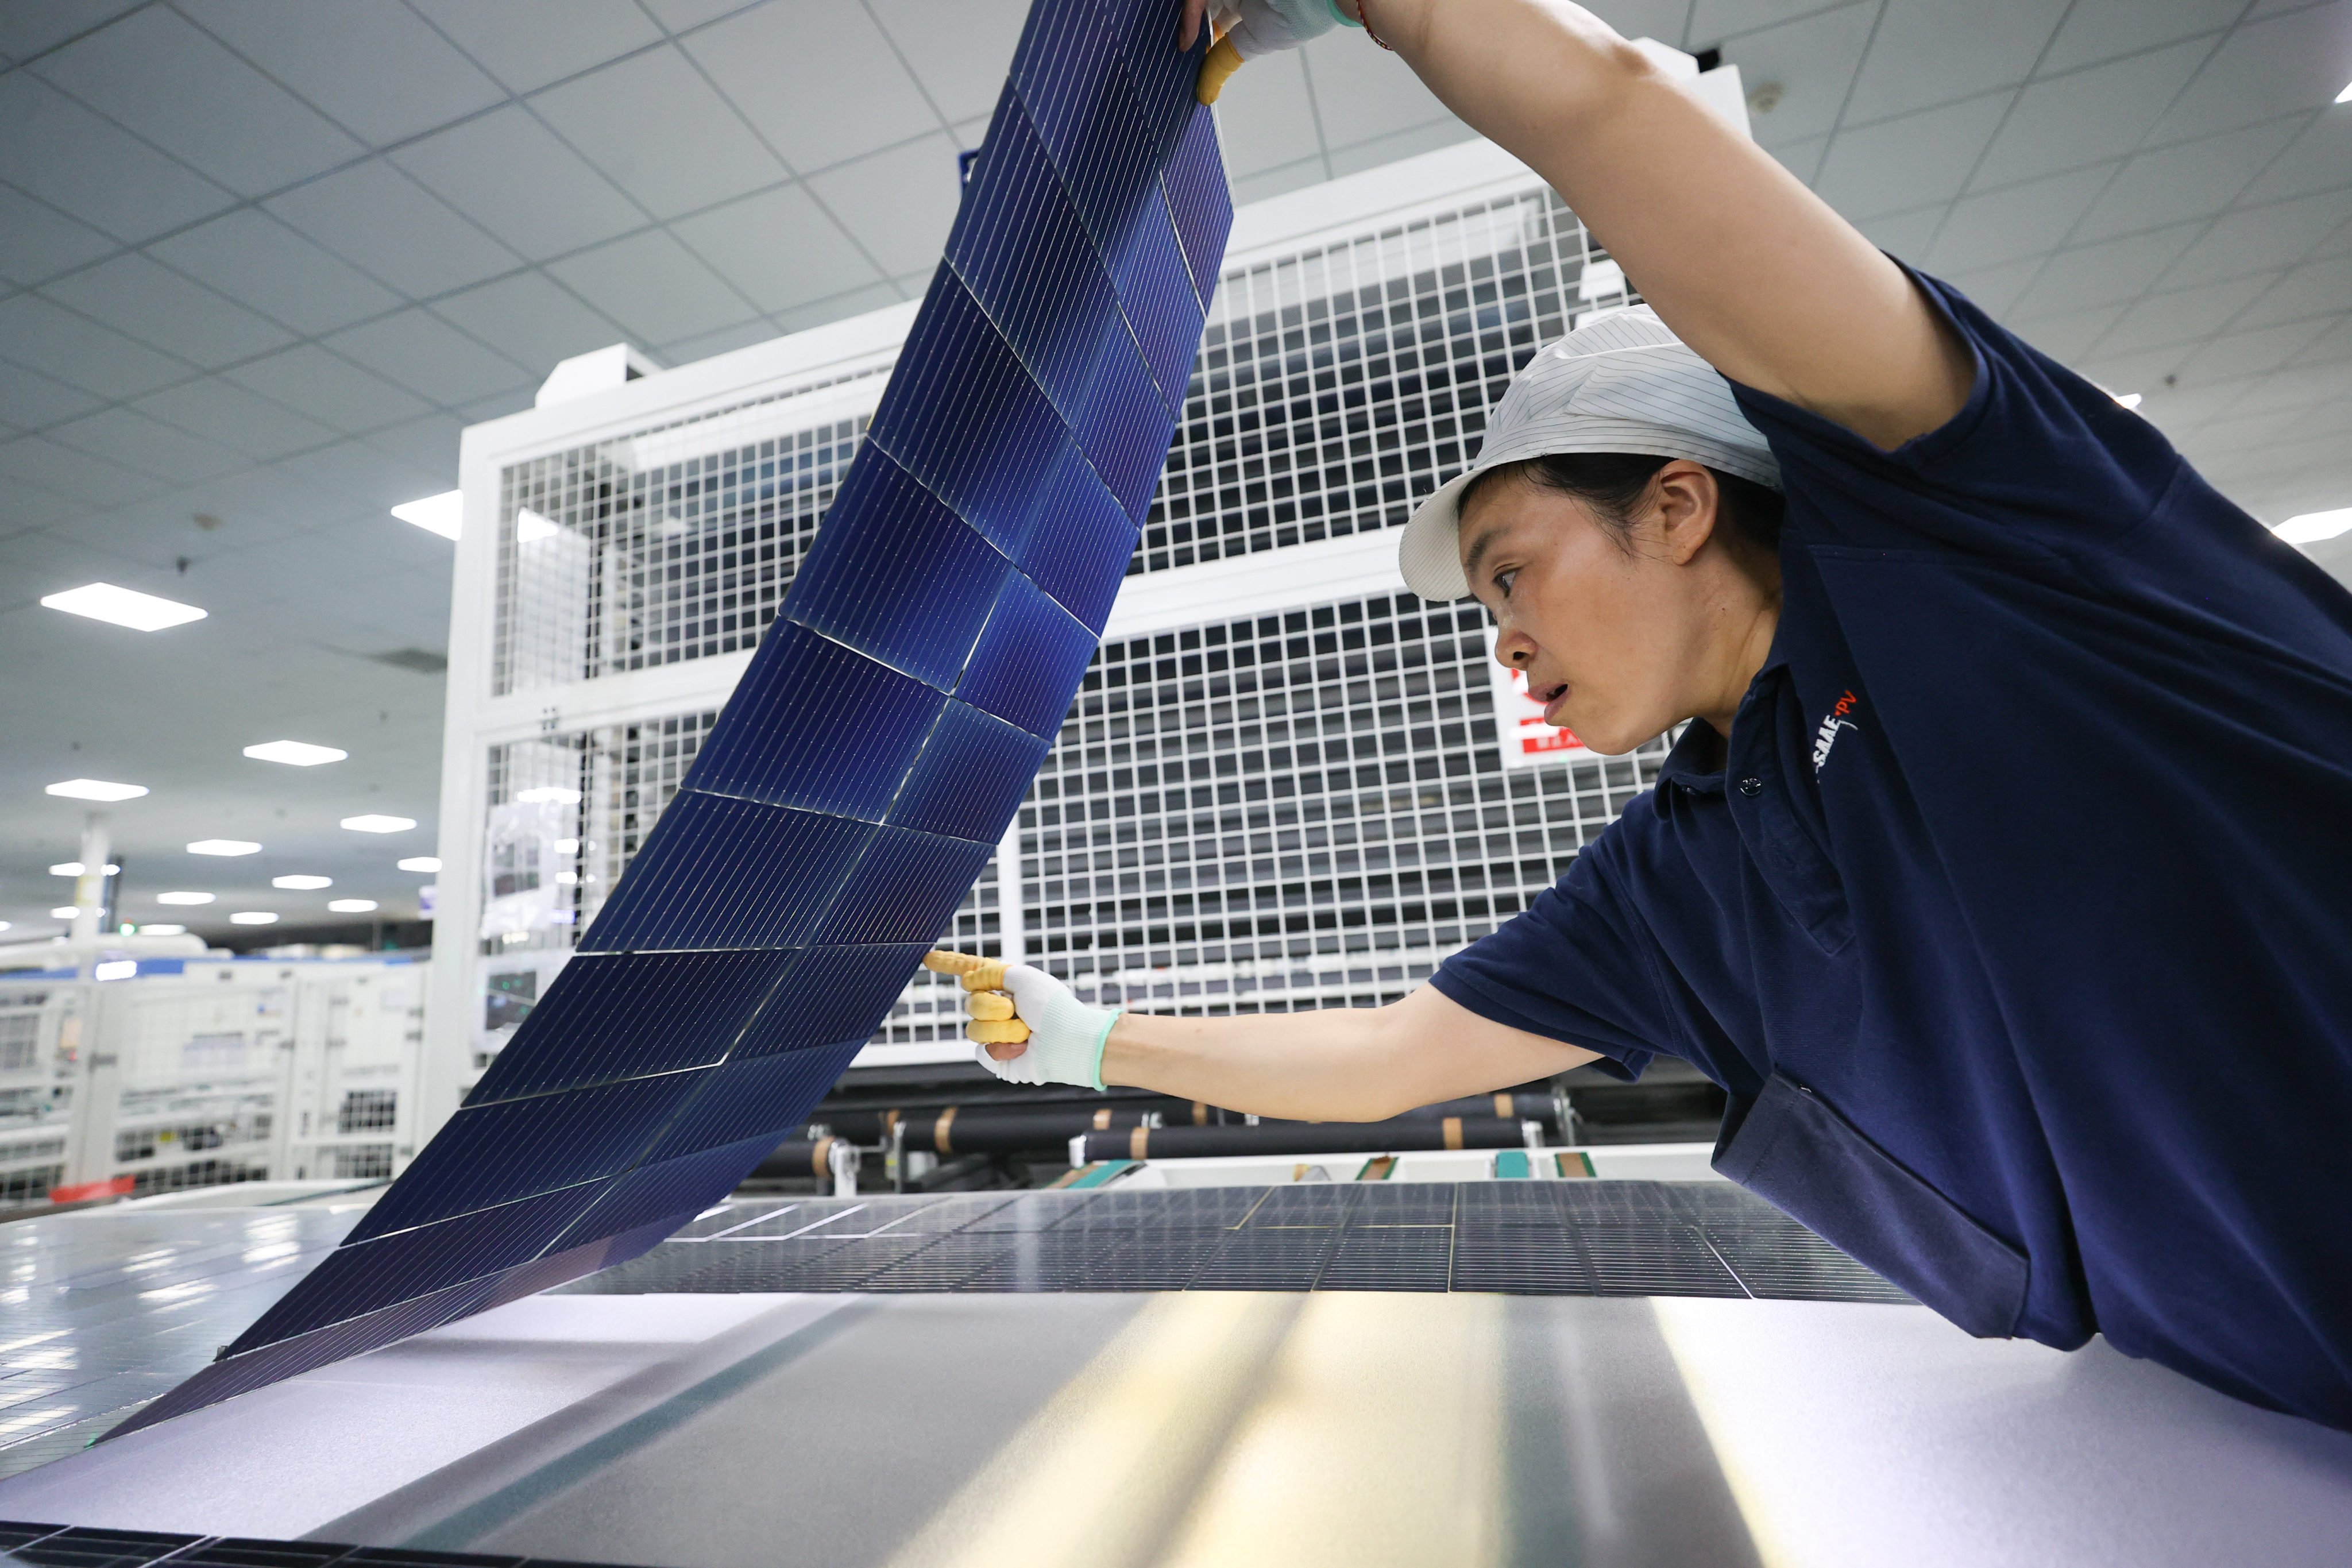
(879, 742)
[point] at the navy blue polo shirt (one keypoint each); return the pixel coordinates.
(2018, 925)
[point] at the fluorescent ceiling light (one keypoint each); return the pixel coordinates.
(253, 918)
(2310, 528)
(3, 925)
(2129, 399)
(351, 906)
(301, 884)
(73, 868)
(64, 912)
(375, 822)
(295, 753)
(530, 526)
(421, 863)
(123, 608)
(115, 969)
(436, 514)
(224, 846)
(97, 789)
(183, 898)
(165, 929)
(2346, 95)
(546, 792)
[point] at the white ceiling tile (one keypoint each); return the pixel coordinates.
(816, 76)
(1716, 21)
(30, 27)
(1903, 235)
(2332, 346)
(384, 223)
(1906, 162)
(2249, 352)
(64, 471)
(171, 84)
(123, 436)
(429, 444)
(360, 472)
(661, 133)
(30, 400)
(2181, 315)
(900, 205)
(1931, 51)
(1663, 20)
(499, 404)
(2265, 69)
(2090, 116)
(507, 173)
(53, 148)
(139, 296)
(2193, 179)
(309, 380)
(223, 411)
(1406, 143)
(959, 52)
(2320, 159)
(375, 68)
(2324, 391)
(2002, 225)
(1802, 159)
(37, 242)
(418, 350)
(24, 510)
(1362, 91)
(1280, 180)
(2258, 239)
(2098, 30)
(780, 248)
(655, 287)
(1996, 288)
(1265, 119)
(2065, 338)
(725, 340)
(531, 319)
(35, 331)
(677, 15)
(2319, 288)
(526, 43)
(840, 307)
(1812, 60)
(2109, 272)
(257, 260)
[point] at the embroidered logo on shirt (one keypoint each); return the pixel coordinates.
(1833, 724)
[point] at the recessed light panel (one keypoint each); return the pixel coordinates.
(183, 898)
(97, 789)
(421, 863)
(373, 823)
(351, 906)
(123, 608)
(2314, 526)
(64, 912)
(163, 929)
(115, 969)
(439, 514)
(73, 868)
(295, 753)
(302, 884)
(253, 918)
(224, 846)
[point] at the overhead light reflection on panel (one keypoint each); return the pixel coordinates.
(253, 918)
(351, 906)
(64, 912)
(375, 822)
(295, 753)
(301, 884)
(224, 846)
(183, 898)
(73, 868)
(123, 608)
(421, 863)
(163, 927)
(97, 789)
(439, 514)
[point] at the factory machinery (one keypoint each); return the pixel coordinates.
(133, 1066)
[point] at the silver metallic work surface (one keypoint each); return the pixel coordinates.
(1231, 1428)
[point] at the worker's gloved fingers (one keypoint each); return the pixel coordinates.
(988, 1006)
(1022, 1068)
(1216, 69)
(1268, 26)
(1066, 1035)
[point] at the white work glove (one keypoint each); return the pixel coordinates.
(1061, 1037)
(1255, 27)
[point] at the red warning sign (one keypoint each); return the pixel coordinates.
(1519, 728)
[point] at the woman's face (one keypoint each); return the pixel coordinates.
(1620, 640)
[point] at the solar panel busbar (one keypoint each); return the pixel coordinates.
(885, 732)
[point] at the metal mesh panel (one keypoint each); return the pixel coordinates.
(1293, 811)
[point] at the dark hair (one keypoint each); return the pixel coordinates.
(1613, 485)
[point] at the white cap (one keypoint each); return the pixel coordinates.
(1621, 383)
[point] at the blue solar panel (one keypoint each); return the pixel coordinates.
(878, 743)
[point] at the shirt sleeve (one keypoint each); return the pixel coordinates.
(2038, 462)
(1578, 966)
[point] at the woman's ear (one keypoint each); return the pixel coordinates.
(1686, 505)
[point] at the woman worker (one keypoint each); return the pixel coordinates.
(2003, 874)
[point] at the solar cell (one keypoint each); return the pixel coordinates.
(882, 736)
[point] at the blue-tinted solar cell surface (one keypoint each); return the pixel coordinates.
(878, 745)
